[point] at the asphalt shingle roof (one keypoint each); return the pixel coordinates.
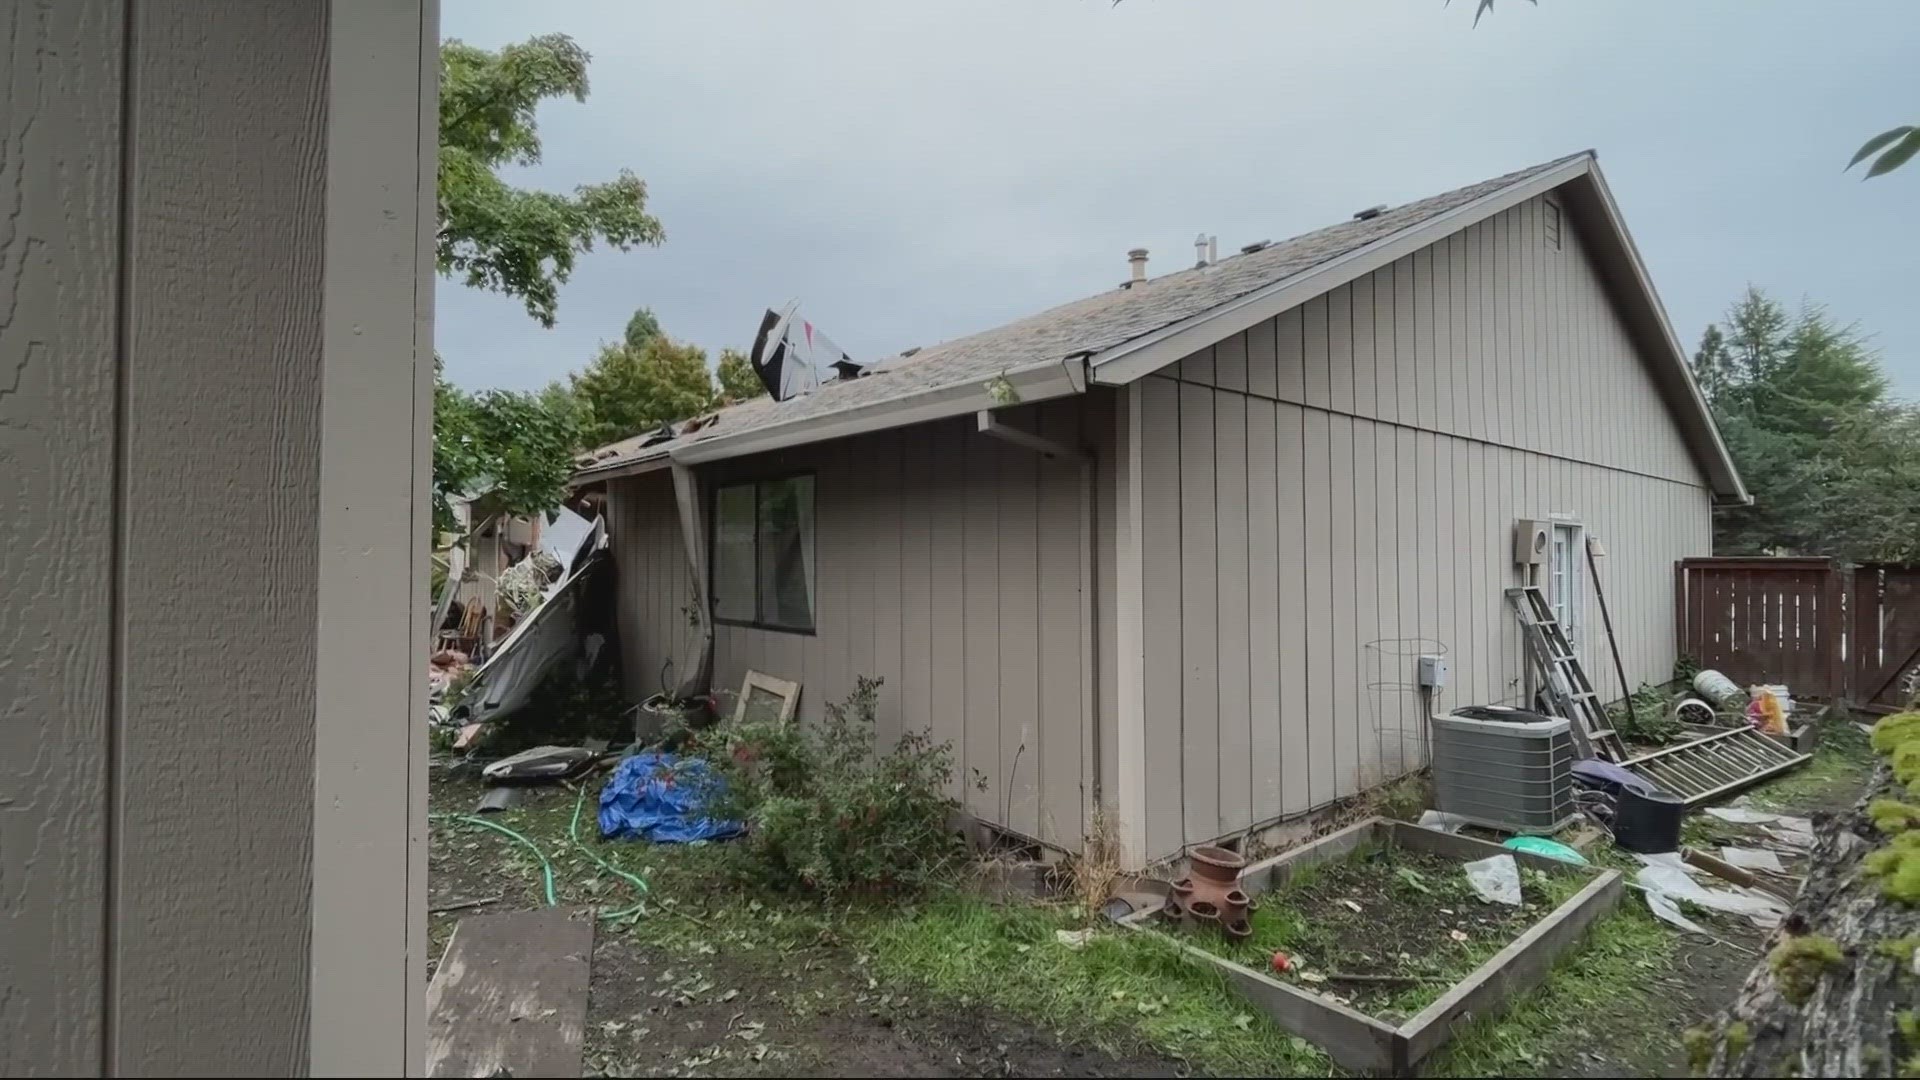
(1090, 325)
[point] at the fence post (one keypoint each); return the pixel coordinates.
(1832, 630)
(1680, 639)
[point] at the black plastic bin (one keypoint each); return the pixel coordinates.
(1648, 823)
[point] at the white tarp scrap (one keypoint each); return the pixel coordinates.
(1752, 859)
(1495, 879)
(1667, 875)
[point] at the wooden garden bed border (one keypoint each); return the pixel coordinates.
(1358, 1041)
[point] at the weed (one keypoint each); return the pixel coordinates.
(1097, 868)
(1643, 717)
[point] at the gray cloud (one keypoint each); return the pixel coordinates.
(913, 172)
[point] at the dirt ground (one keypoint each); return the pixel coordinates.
(807, 1011)
(807, 1005)
(1705, 976)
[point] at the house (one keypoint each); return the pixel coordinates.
(216, 387)
(1174, 549)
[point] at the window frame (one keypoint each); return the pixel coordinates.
(1567, 598)
(754, 481)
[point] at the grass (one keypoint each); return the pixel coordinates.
(1388, 911)
(1841, 763)
(1121, 989)
(1597, 996)
(1120, 985)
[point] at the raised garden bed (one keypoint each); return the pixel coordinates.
(1417, 918)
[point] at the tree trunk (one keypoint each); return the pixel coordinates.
(1849, 1024)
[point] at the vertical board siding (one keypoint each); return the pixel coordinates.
(948, 565)
(1264, 573)
(1359, 539)
(1232, 528)
(1290, 482)
(220, 492)
(1199, 599)
(1160, 600)
(59, 258)
(1393, 431)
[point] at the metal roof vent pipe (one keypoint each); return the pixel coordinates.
(1137, 259)
(1200, 251)
(1213, 249)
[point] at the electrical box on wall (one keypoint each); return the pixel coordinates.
(1433, 672)
(1530, 541)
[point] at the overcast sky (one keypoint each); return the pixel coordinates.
(913, 172)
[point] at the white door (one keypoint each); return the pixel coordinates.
(1564, 579)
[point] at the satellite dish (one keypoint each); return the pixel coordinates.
(792, 357)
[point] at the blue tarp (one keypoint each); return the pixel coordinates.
(659, 797)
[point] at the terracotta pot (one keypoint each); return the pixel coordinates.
(1212, 896)
(1216, 864)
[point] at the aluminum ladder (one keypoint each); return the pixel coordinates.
(1566, 681)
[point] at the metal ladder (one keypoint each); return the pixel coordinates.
(1566, 681)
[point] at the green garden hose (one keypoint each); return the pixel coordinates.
(546, 868)
(639, 883)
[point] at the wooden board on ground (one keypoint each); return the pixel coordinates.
(511, 994)
(764, 698)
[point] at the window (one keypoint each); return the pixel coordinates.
(763, 553)
(1564, 579)
(1551, 221)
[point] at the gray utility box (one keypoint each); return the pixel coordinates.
(1515, 775)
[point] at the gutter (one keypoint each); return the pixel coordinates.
(1035, 382)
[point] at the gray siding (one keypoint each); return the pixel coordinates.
(951, 565)
(213, 383)
(1326, 490)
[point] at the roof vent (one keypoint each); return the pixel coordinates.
(1137, 259)
(1370, 213)
(1200, 251)
(1257, 245)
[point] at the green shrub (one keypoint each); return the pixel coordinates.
(1644, 717)
(825, 812)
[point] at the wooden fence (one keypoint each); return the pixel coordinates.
(1826, 631)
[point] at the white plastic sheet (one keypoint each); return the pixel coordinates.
(1440, 821)
(1752, 859)
(1668, 876)
(1495, 879)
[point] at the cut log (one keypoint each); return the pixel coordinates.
(1836, 1018)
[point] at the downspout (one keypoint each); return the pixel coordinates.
(686, 493)
(989, 425)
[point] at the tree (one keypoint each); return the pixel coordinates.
(516, 447)
(738, 381)
(512, 240)
(642, 327)
(1896, 147)
(1803, 407)
(625, 391)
